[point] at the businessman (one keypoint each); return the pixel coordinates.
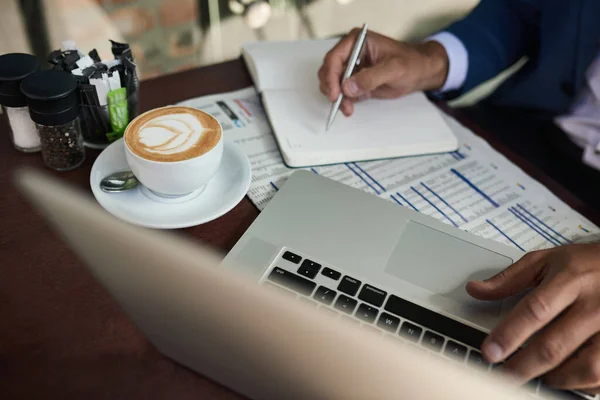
(549, 111)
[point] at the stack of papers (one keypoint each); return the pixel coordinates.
(474, 188)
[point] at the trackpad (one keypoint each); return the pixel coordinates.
(443, 264)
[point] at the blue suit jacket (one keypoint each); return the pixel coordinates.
(560, 38)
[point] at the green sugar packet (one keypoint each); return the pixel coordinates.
(112, 136)
(119, 113)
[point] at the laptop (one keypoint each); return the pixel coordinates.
(331, 293)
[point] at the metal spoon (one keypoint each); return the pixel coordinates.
(119, 182)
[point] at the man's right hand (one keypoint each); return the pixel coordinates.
(389, 69)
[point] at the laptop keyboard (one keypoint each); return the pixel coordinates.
(332, 292)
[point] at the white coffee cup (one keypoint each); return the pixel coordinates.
(174, 178)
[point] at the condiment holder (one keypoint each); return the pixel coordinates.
(14, 67)
(53, 106)
(80, 101)
(102, 124)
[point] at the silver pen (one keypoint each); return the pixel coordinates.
(353, 62)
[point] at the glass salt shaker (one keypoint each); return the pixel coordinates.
(14, 67)
(53, 106)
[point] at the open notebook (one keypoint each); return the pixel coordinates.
(285, 73)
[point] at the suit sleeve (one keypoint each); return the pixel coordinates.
(496, 34)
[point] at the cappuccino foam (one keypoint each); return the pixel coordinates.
(172, 134)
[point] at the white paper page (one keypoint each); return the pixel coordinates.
(474, 188)
(531, 225)
(378, 128)
(286, 65)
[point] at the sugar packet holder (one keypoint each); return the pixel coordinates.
(108, 90)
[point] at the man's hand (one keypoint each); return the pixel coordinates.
(388, 69)
(563, 312)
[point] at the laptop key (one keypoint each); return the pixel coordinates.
(324, 295)
(476, 359)
(292, 281)
(291, 257)
(410, 332)
(311, 264)
(349, 285)
(366, 313)
(388, 322)
(372, 295)
(455, 351)
(432, 341)
(307, 272)
(345, 304)
(328, 272)
(436, 322)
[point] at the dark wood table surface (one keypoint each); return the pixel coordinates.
(61, 335)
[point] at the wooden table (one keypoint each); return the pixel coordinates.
(61, 336)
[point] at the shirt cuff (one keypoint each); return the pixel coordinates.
(458, 60)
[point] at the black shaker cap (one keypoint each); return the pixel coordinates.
(14, 67)
(51, 96)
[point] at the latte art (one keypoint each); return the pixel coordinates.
(173, 134)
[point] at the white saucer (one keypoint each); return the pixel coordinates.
(95, 146)
(227, 188)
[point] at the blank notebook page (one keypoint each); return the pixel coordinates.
(377, 129)
(286, 75)
(285, 65)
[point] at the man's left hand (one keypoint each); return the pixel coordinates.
(559, 319)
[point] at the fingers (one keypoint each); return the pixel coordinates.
(554, 345)
(330, 74)
(523, 274)
(370, 79)
(531, 314)
(324, 84)
(323, 88)
(581, 371)
(347, 107)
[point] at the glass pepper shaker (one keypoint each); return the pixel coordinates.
(53, 106)
(14, 67)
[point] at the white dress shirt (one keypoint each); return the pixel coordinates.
(581, 123)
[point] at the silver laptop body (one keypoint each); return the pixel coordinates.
(374, 264)
(257, 342)
(379, 243)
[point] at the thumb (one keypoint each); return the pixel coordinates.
(522, 275)
(369, 79)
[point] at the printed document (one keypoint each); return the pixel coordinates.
(474, 188)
